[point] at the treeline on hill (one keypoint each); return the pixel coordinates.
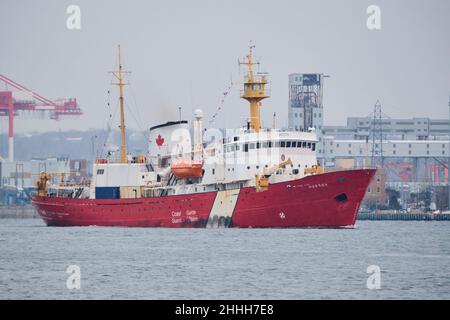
(72, 144)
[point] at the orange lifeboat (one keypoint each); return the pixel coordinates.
(183, 169)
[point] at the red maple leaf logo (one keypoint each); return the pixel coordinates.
(159, 140)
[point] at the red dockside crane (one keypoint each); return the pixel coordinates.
(10, 107)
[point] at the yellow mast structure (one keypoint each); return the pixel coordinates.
(123, 145)
(254, 90)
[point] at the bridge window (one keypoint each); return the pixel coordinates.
(288, 144)
(251, 146)
(100, 171)
(303, 144)
(277, 144)
(309, 145)
(283, 144)
(313, 147)
(246, 147)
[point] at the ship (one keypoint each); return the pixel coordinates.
(194, 177)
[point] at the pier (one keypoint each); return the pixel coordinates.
(404, 216)
(17, 212)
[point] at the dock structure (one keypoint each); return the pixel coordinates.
(17, 212)
(404, 216)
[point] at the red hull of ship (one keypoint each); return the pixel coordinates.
(328, 200)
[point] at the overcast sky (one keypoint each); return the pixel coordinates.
(183, 53)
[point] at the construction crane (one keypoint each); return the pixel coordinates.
(11, 106)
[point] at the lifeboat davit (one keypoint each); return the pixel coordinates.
(183, 169)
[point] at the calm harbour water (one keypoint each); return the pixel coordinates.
(140, 263)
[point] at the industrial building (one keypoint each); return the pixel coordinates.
(411, 153)
(358, 128)
(396, 138)
(306, 104)
(407, 154)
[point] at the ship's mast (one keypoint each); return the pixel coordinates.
(123, 144)
(254, 90)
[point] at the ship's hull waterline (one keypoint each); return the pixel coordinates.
(328, 200)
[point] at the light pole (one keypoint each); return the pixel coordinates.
(93, 139)
(448, 159)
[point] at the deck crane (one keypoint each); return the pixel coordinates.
(262, 182)
(11, 106)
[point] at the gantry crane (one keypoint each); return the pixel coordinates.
(10, 107)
